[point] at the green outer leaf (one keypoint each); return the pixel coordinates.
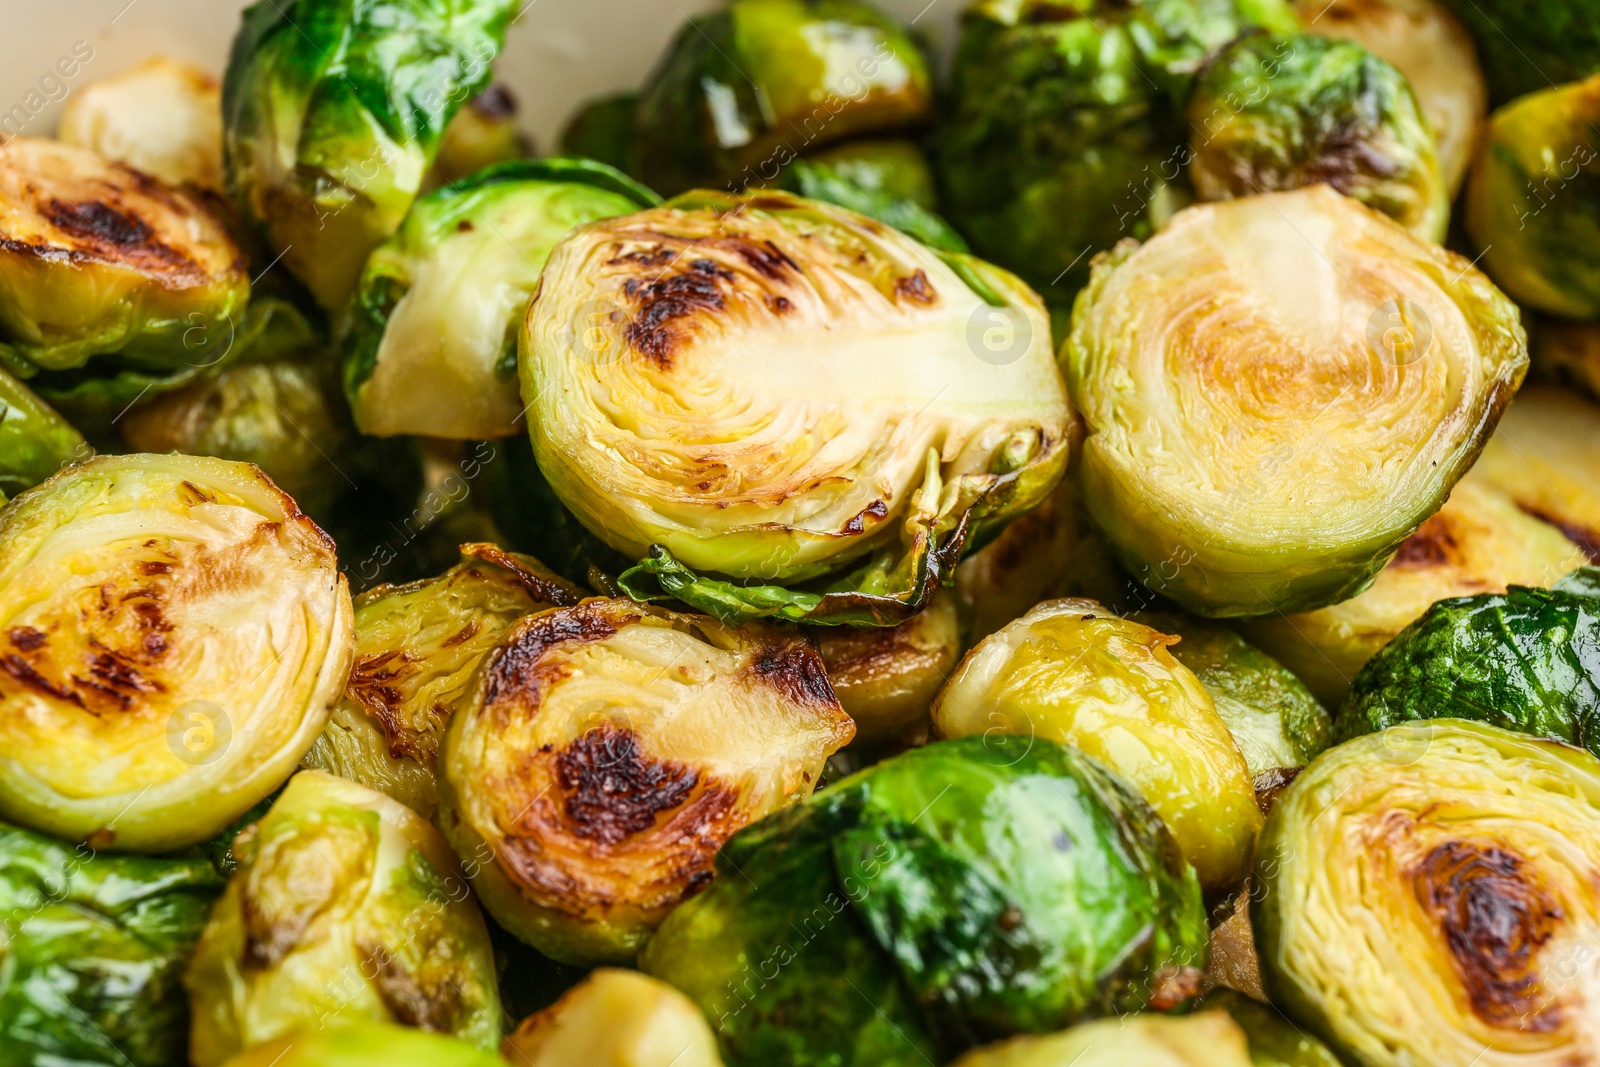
(575, 169)
(92, 951)
(35, 442)
(1526, 45)
(1526, 660)
(602, 130)
(821, 181)
(1274, 1040)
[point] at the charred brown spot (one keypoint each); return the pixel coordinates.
(106, 231)
(95, 220)
(375, 685)
(1494, 916)
(495, 102)
(461, 636)
(795, 670)
(655, 256)
(874, 511)
(666, 301)
(1348, 157)
(780, 305)
(514, 670)
(1584, 537)
(1269, 785)
(26, 638)
(915, 288)
(541, 587)
(1173, 985)
(766, 259)
(613, 790)
(412, 998)
(1432, 545)
(23, 672)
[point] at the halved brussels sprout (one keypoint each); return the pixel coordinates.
(1531, 200)
(1275, 721)
(781, 390)
(747, 87)
(1546, 457)
(432, 338)
(886, 677)
(362, 1045)
(1428, 896)
(417, 650)
(615, 1019)
(1432, 50)
(174, 632)
(1210, 1039)
(1274, 1040)
(101, 262)
(162, 116)
(968, 890)
(1531, 46)
(92, 948)
(346, 905)
(606, 752)
(1279, 111)
(602, 130)
(1073, 672)
(1479, 542)
(482, 134)
(1525, 660)
(1215, 362)
(333, 111)
(35, 441)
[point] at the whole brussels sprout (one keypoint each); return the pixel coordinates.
(1432, 50)
(1546, 457)
(332, 113)
(888, 181)
(1479, 541)
(345, 905)
(886, 676)
(1531, 46)
(417, 649)
(92, 948)
(174, 632)
(749, 86)
(162, 116)
(1525, 660)
(482, 134)
(1070, 671)
(616, 1018)
(104, 269)
(362, 1044)
(35, 441)
(1533, 195)
(1215, 362)
(1279, 111)
(914, 404)
(968, 890)
(432, 338)
(1210, 1039)
(1425, 895)
(602, 130)
(607, 750)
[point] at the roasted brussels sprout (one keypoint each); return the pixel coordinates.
(602, 130)
(482, 134)
(1274, 1040)
(1215, 362)
(432, 340)
(1073, 672)
(35, 442)
(616, 1019)
(363, 1044)
(1210, 1039)
(968, 890)
(174, 632)
(332, 112)
(1432, 50)
(915, 404)
(92, 948)
(1531, 46)
(897, 168)
(163, 117)
(1546, 457)
(746, 88)
(101, 262)
(1279, 111)
(888, 181)
(1275, 721)
(1479, 542)
(886, 677)
(1532, 199)
(608, 749)
(1427, 896)
(417, 648)
(1525, 660)
(346, 905)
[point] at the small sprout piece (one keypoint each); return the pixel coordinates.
(1473, 850)
(174, 631)
(364, 1044)
(346, 906)
(35, 442)
(779, 390)
(1280, 111)
(417, 650)
(615, 1018)
(1216, 361)
(92, 950)
(1433, 51)
(746, 88)
(332, 114)
(602, 130)
(1531, 199)
(1210, 1039)
(432, 340)
(1070, 671)
(886, 677)
(609, 749)
(163, 117)
(483, 134)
